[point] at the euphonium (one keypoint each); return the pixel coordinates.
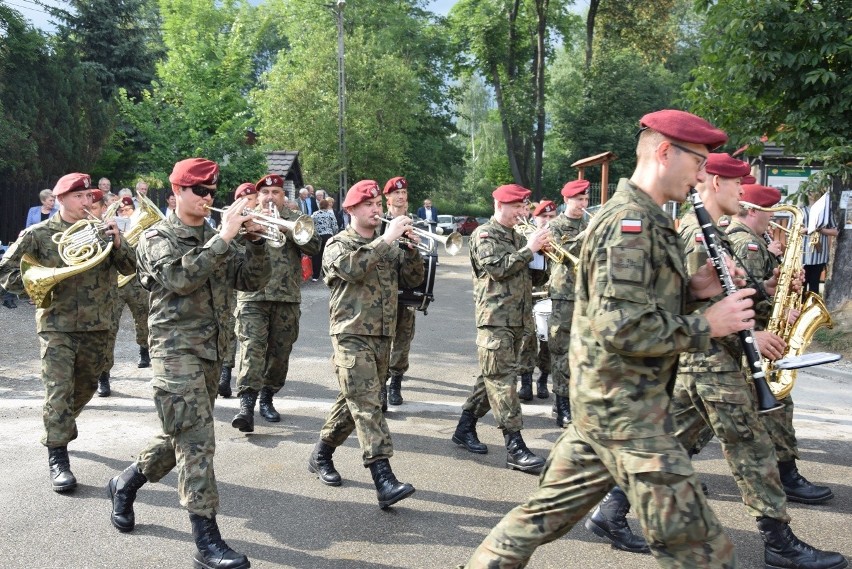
(813, 313)
(147, 214)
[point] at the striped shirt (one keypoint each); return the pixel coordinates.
(817, 255)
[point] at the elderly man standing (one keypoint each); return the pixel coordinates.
(502, 291)
(190, 271)
(74, 320)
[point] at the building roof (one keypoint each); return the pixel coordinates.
(285, 163)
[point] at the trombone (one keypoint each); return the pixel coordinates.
(452, 242)
(302, 229)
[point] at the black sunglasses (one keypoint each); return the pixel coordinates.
(703, 157)
(202, 192)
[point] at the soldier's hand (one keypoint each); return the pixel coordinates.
(771, 346)
(770, 285)
(798, 280)
(705, 282)
(111, 229)
(233, 219)
(776, 248)
(538, 239)
(731, 314)
(396, 228)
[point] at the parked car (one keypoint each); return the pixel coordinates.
(466, 225)
(483, 220)
(446, 224)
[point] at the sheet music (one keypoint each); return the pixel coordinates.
(819, 213)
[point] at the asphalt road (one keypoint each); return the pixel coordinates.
(277, 513)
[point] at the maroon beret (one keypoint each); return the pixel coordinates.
(194, 171)
(511, 193)
(749, 179)
(245, 189)
(97, 195)
(764, 196)
(721, 164)
(684, 126)
(72, 183)
(545, 206)
(127, 200)
(394, 184)
(575, 188)
(270, 180)
(360, 192)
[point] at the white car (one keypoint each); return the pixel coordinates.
(446, 224)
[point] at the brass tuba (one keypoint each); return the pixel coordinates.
(145, 216)
(813, 313)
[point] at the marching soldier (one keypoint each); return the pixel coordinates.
(712, 388)
(268, 320)
(502, 291)
(74, 328)
(746, 235)
(190, 271)
(630, 323)
(364, 272)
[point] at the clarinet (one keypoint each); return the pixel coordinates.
(766, 402)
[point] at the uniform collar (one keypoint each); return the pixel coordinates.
(185, 231)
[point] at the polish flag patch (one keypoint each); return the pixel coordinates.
(753, 247)
(699, 238)
(631, 226)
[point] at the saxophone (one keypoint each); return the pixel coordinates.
(813, 314)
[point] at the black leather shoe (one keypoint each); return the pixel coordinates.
(213, 552)
(144, 357)
(389, 490)
(267, 409)
(103, 385)
(61, 476)
(465, 434)
(122, 491)
(9, 301)
(609, 521)
(798, 488)
(525, 392)
(244, 420)
(541, 387)
(783, 550)
(383, 398)
(562, 411)
(395, 390)
(519, 457)
(320, 463)
(225, 382)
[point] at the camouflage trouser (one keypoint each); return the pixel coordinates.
(136, 298)
(184, 392)
(230, 355)
(780, 426)
(361, 363)
(495, 388)
(267, 332)
(559, 335)
(658, 478)
(70, 365)
(725, 401)
(402, 340)
(534, 353)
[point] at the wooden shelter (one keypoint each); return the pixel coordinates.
(603, 159)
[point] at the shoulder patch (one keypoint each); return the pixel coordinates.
(631, 226)
(151, 233)
(482, 234)
(699, 238)
(753, 247)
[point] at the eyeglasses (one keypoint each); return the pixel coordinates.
(202, 192)
(703, 157)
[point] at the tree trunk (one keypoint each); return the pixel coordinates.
(590, 30)
(837, 289)
(541, 7)
(508, 134)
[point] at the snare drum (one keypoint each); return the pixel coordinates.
(420, 297)
(541, 312)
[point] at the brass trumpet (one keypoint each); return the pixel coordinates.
(302, 229)
(452, 242)
(553, 251)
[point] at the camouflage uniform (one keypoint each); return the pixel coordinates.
(136, 298)
(562, 230)
(535, 353)
(405, 328)
(73, 330)
(502, 292)
(268, 320)
(714, 390)
(630, 323)
(364, 276)
(190, 273)
(753, 255)
(230, 355)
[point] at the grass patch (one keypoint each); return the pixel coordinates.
(834, 340)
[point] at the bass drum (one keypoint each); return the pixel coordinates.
(541, 312)
(420, 297)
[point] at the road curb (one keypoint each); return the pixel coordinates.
(832, 373)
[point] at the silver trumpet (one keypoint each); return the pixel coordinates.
(452, 242)
(302, 229)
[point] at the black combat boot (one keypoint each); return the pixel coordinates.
(244, 420)
(562, 411)
(213, 552)
(122, 490)
(609, 521)
(465, 434)
(103, 385)
(383, 397)
(144, 357)
(783, 550)
(525, 392)
(320, 463)
(798, 488)
(395, 390)
(519, 456)
(267, 409)
(389, 490)
(60, 469)
(225, 382)
(541, 387)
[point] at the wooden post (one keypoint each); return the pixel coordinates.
(604, 181)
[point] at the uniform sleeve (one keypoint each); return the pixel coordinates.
(159, 260)
(752, 260)
(499, 259)
(124, 258)
(340, 261)
(628, 317)
(10, 264)
(253, 267)
(412, 270)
